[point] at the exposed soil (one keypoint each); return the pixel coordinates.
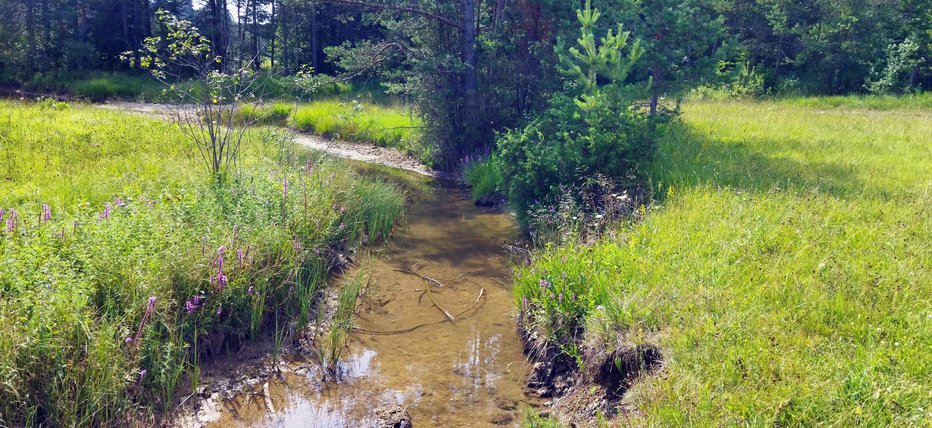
(578, 397)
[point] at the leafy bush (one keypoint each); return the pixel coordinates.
(592, 129)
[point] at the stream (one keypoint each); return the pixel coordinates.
(465, 372)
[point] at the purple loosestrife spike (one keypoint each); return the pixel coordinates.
(544, 283)
(220, 257)
(239, 257)
(221, 281)
(11, 221)
(118, 202)
(1, 213)
(552, 296)
(285, 188)
(46, 213)
(523, 301)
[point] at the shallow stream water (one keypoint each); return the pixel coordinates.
(465, 372)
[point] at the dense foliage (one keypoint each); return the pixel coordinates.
(592, 129)
(476, 68)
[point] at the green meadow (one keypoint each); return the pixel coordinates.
(784, 269)
(125, 265)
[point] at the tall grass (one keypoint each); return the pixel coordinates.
(142, 266)
(387, 126)
(784, 270)
(484, 178)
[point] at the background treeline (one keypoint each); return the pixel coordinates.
(473, 68)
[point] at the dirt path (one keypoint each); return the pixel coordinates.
(385, 156)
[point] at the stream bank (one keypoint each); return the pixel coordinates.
(405, 353)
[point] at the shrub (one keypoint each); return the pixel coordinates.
(593, 128)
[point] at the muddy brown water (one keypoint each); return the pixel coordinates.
(466, 372)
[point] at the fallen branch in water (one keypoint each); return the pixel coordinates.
(410, 329)
(431, 297)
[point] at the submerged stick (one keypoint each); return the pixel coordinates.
(268, 398)
(410, 329)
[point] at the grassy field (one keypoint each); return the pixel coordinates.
(124, 264)
(388, 126)
(784, 270)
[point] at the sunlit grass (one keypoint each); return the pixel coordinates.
(784, 270)
(134, 216)
(388, 126)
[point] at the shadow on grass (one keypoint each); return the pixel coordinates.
(687, 158)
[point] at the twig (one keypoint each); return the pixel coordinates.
(268, 398)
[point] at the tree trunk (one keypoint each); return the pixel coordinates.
(655, 88)
(315, 39)
(470, 81)
(272, 39)
(30, 37)
(126, 42)
(286, 61)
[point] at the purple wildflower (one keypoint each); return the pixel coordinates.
(11, 221)
(523, 301)
(544, 283)
(221, 281)
(1, 213)
(129, 339)
(220, 252)
(285, 188)
(219, 310)
(106, 214)
(142, 374)
(249, 290)
(118, 202)
(239, 257)
(552, 296)
(190, 306)
(560, 297)
(46, 213)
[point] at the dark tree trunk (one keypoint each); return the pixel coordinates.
(470, 82)
(123, 12)
(30, 37)
(274, 30)
(286, 61)
(655, 88)
(315, 39)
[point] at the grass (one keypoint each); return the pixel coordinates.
(387, 126)
(100, 86)
(108, 304)
(484, 178)
(784, 270)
